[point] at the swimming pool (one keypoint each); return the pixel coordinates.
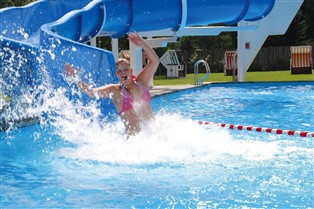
(73, 161)
(286, 105)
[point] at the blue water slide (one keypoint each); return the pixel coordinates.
(259, 9)
(19, 40)
(54, 32)
(25, 50)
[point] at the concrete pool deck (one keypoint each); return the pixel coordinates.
(159, 90)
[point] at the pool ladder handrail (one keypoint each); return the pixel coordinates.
(196, 81)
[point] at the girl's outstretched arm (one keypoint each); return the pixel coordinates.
(147, 73)
(106, 91)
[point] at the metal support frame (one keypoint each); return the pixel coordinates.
(251, 35)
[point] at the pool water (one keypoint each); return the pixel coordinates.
(73, 161)
(276, 105)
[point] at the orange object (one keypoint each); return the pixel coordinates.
(301, 60)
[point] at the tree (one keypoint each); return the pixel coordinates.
(11, 3)
(6, 3)
(308, 12)
(300, 32)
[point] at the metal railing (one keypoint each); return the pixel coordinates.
(196, 81)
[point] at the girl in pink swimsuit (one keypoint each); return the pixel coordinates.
(128, 100)
(131, 96)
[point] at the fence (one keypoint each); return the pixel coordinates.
(272, 58)
(267, 59)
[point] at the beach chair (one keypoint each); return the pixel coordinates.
(301, 60)
(171, 62)
(231, 63)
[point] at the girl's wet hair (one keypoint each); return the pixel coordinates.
(120, 60)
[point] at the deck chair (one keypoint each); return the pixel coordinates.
(231, 62)
(171, 62)
(301, 60)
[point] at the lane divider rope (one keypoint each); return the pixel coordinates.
(260, 129)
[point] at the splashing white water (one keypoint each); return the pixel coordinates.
(167, 138)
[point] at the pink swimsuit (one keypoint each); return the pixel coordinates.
(128, 100)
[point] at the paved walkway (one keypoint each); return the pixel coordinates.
(159, 90)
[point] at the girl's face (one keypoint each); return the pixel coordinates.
(123, 71)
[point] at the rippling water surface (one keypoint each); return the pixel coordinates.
(76, 161)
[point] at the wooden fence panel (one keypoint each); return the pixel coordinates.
(271, 58)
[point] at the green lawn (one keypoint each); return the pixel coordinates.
(250, 76)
